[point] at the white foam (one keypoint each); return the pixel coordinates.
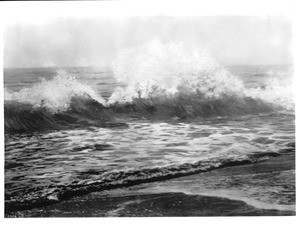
(157, 68)
(277, 91)
(166, 69)
(55, 94)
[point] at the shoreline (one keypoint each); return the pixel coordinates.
(183, 196)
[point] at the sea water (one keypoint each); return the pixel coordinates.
(164, 111)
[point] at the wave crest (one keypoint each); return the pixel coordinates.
(157, 69)
(163, 81)
(55, 95)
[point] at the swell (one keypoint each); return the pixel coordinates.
(39, 196)
(85, 111)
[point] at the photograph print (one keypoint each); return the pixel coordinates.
(149, 116)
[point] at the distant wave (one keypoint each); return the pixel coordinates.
(41, 196)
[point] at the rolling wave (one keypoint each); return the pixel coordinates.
(162, 81)
(83, 111)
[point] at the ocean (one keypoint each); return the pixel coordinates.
(74, 131)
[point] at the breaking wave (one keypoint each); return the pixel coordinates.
(163, 70)
(54, 95)
(161, 81)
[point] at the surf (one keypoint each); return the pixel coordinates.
(157, 81)
(41, 196)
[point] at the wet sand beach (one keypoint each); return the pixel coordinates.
(261, 189)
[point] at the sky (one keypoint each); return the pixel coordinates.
(96, 41)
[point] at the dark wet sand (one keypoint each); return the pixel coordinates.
(144, 201)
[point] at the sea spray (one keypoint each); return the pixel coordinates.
(60, 103)
(157, 81)
(158, 69)
(155, 69)
(279, 92)
(55, 95)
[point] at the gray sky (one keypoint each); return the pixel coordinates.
(96, 41)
